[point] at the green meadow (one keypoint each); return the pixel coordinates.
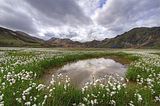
(22, 69)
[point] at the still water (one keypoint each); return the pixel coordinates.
(82, 71)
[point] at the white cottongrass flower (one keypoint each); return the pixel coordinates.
(19, 100)
(119, 87)
(114, 88)
(112, 102)
(2, 103)
(35, 99)
(131, 103)
(24, 97)
(92, 102)
(139, 97)
(34, 105)
(112, 93)
(1, 97)
(95, 101)
(45, 97)
(157, 98)
(74, 104)
(28, 103)
(3, 83)
(85, 99)
(26, 92)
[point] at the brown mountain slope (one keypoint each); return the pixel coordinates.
(135, 38)
(17, 38)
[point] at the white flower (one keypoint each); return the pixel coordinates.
(19, 100)
(119, 87)
(35, 98)
(138, 76)
(3, 83)
(2, 103)
(112, 102)
(112, 93)
(74, 104)
(95, 101)
(45, 97)
(1, 97)
(114, 88)
(131, 103)
(139, 97)
(24, 97)
(28, 103)
(92, 102)
(157, 98)
(34, 105)
(1, 70)
(85, 99)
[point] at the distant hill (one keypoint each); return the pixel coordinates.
(52, 39)
(69, 43)
(136, 38)
(17, 38)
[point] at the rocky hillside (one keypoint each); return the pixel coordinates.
(17, 38)
(69, 43)
(135, 38)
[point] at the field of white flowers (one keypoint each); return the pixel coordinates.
(22, 68)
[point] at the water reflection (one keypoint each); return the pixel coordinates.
(81, 71)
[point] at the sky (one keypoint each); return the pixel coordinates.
(78, 20)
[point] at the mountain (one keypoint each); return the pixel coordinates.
(52, 39)
(69, 43)
(136, 38)
(93, 43)
(55, 42)
(17, 38)
(28, 36)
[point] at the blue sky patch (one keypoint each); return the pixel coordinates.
(102, 2)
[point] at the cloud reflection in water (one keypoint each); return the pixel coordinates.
(81, 71)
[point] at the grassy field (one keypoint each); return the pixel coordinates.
(22, 68)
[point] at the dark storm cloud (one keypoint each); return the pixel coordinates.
(61, 11)
(12, 17)
(49, 34)
(68, 35)
(71, 35)
(33, 16)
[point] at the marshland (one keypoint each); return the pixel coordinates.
(79, 76)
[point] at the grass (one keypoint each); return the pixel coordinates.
(16, 43)
(20, 54)
(156, 53)
(21, 71)
(54, 62)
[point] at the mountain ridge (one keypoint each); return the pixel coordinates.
(140, 37)
(136, 38)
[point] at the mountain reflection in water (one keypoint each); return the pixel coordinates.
(82, 71)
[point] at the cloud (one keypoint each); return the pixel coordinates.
(37, 16)
(82, 20)
(13, 17)
(122, 15)
(59, 12)
(89, 6)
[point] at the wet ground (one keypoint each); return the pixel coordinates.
(82, 71)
